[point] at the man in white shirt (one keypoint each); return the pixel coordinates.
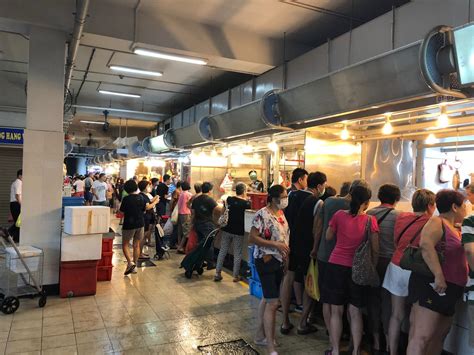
(99, 190)
(79, 186)
(15, 204)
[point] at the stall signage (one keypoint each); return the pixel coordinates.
(11, 136)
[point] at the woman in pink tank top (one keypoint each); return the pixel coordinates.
(434, 300)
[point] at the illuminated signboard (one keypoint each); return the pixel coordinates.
(11, 136)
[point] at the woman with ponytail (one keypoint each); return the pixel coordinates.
(349, 228)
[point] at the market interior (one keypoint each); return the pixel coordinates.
(104, 101)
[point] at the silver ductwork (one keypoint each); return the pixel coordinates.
(409, 77)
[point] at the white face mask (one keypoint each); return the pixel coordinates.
(321, 194)
(283, 203)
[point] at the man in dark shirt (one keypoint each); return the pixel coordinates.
(204, 211)
(133, 207)
(162, 190)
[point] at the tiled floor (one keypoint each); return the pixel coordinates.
(156, 311)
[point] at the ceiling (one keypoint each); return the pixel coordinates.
(241, 39)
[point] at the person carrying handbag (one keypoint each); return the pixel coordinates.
(434, 296)
(351, 229)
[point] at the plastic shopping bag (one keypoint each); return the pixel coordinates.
(18, 221)
(174, 215)
(168, 227)
(311, 281)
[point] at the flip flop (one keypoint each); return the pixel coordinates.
(307, 330)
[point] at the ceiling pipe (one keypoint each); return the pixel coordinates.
(79, 20)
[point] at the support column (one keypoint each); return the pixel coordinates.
(43, 148)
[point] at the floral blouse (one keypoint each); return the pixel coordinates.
(273, 228)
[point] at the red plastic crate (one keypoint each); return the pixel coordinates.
(78, 278)
(106, 259)
(107, 245)
(104, 273)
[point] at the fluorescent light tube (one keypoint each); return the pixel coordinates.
(106, 92)
(92, 122)
(175, 57)
(136, 71)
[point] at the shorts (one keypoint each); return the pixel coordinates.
(339, 289)
(88, 196)
(271, 276)
(396, 280)
(135, 234)
(420, 290)
(322, 265)
(299, 263)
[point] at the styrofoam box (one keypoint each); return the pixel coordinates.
(81, 247)
(86, 219)
(31, 256)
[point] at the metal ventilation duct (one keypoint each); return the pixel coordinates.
(254, 117)
(405, 78)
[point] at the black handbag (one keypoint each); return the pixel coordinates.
(412, 258)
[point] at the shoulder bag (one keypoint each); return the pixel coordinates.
(224, 218)
(364, 272)
(412, 258)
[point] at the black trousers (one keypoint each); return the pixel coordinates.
(15, 209)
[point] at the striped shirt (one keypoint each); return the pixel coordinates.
(467, 231)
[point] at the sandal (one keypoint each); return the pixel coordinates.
(286, 331)
(263, 342)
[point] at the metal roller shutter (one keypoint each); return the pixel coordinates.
(11, 160)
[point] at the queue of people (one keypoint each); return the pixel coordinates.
(416, 259)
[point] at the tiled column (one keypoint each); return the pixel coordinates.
(43, 149)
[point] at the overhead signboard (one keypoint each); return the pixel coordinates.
(11, 136)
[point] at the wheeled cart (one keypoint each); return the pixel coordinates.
(21, 274)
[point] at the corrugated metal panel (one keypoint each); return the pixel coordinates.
(188, 116)
(235, 97)
(202, 110)
(272, 79)
(372, 39)
(177, 121)
(220, 103)
(247, 92)
(308, 67)
(11, 161)
(339, 52)
(413, 21)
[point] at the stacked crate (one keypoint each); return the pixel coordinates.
(255, 287)
(81, 246)
(104, 267)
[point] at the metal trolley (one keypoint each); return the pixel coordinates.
(21, 274)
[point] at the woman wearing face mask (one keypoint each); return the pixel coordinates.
(270, 234)
(434, 299)
(349, 228)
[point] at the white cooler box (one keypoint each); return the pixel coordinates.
(86, 219)
(30, 254)
(81, 247)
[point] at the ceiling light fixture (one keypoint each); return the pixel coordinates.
(345, 133)
(175, 57)
(387, 127)
(136, 71)
(273, 146)
(107, 92)
(92, 122)
(443, 119)
(431, 139)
